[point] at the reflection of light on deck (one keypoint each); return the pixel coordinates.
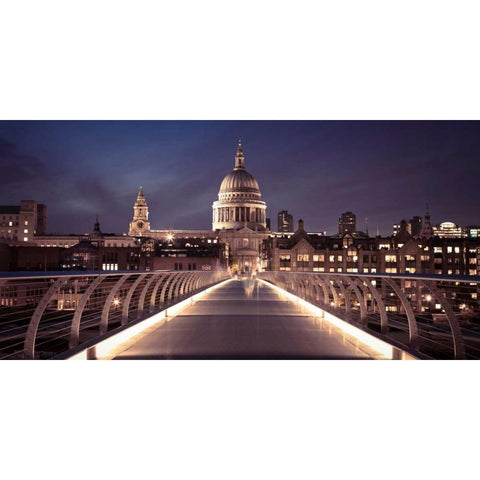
(376, 344)
(105, 348)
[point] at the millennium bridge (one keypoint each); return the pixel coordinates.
(211, 315)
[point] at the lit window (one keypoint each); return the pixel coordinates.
(339, 258)
(26, 223)
(449, 249)
(319, 258)
(390, 258)
(339, 269)
(25, 230)
(303, 257)
(331, 258)
(457, 249)
(25, 239)
(424, 258)
(10, 224)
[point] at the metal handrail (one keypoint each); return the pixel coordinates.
(45, 314)
(435, 315)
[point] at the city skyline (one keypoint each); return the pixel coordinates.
(383, 170)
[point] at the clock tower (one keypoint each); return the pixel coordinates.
(140, 226)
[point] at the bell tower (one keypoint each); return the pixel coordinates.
(140, 226)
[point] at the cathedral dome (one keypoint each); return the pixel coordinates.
(239, 181)
(239, 200)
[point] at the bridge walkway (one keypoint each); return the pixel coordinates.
(245, 319)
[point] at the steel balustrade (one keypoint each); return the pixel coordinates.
(42, 315)
(431, 315)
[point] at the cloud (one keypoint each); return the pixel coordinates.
(18, 167)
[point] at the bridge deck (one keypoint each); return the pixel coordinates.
(246, 320)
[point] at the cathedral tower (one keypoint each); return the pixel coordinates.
(140, 226)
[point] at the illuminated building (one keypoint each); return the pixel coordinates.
(239, 201)
(239, 216)
(285, 221)
(352, 253)
(21, 222)
(473, 231)
(140, 226)
(448, 230)
(415, 224)
(347, 223)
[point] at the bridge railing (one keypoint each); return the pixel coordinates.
(433, 315)
(43, 315)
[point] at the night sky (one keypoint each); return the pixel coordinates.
(383, 170)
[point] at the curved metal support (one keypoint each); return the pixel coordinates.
(360, 299)
(166, 285)
(184, 290)
(74, 337)
(203, 281)
(141, 299)
(167, 278)
(180, 285)
(348, 305)
(196, 284)
(299, 287)
(336, 301)
(30, 337)
(188, 286)
(365, 292)
(128, 298)
(326, 296)
(412, 321)
(458, 343)
(172, 292)
(108, 303)
(380, 303)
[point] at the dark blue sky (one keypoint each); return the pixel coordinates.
(383, 170)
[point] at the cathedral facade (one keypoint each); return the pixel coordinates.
(239, 219)
(240, 216)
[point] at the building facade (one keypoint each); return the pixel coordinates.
(20, 223)
(347, 223)
(285, 222)
(352, 253)
(239, 217)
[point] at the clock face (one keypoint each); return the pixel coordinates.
(140, 224)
